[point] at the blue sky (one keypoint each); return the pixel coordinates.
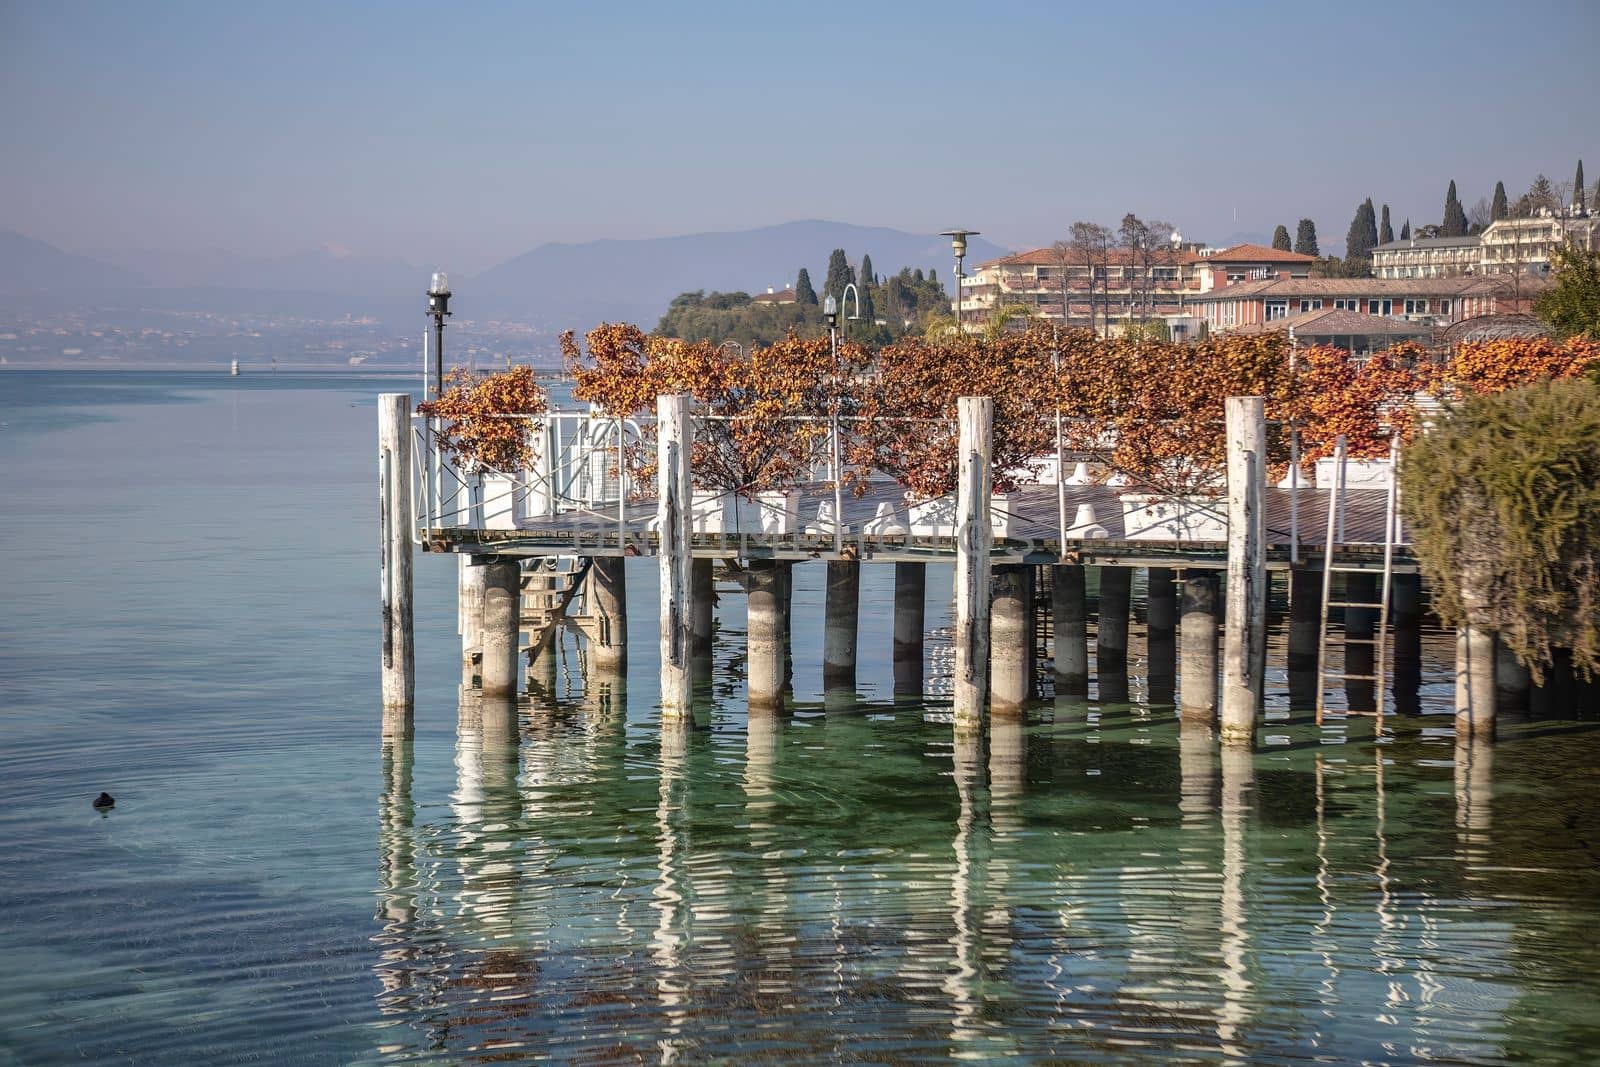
(467, 133)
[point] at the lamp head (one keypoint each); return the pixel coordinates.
(830, 311)
(439, 294)
(958, 240)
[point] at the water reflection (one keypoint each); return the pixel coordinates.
(811, 887)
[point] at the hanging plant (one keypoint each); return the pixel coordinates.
(486, 418)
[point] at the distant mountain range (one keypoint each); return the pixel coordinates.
(554, 286)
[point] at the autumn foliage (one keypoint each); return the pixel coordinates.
(484, 417)
(1152, 410)
(763, 411)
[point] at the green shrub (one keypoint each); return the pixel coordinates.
(1503, 502)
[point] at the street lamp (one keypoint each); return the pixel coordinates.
(438, 309)
(958, 244)
(1177, 270)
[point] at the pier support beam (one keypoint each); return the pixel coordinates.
(1197, 683)
(1512, 681)
(1406, 611)
(974, 540)
(502, 593)
(1245, 633)
(1111, 634)
(1360, 628)
(1475, 674)
(910, 596)
(1161, 632)
(1009, 681)
(673, 446)
(1069, 625)
(766, 647)
(841, 613)
(608, 603)
(703, 597)
(394, 564)
(1305, 619)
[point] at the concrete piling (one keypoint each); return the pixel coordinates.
(1197, 682)
(608, 602)
(841, 614)
(910, 595)
(1069, 626)
(765, 651)
(1009, 682)
(1161, 632)
(502, 594)
(1111, 634)
(702, 598)
(1305, 619)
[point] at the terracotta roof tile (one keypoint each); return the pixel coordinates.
(1248, 253)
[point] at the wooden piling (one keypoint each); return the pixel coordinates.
(1245, 631)
(502, 593)
(394, 564)
(974, 540)
(841, 614)
(1070, 630)
(765, 644)
(1009, 684)
(1197, 666)
(608, 603)
(910, 596)
(673, 448)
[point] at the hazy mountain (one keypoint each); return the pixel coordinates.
(579, 285)
(327, 269)
(27, 265)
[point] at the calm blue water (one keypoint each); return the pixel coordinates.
(190, 623)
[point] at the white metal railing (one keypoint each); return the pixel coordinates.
(580, 464)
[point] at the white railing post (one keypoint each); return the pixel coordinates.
(1244, 637)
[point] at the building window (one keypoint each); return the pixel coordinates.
(1416, 307)
(1311, 305)
(1277, 309)
(1444, 307)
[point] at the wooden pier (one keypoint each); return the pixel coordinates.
(998, 545)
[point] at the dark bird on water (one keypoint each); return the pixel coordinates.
(104, 801)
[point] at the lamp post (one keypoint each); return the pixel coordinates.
(1177, 271)
(438, 310)
(958, 244)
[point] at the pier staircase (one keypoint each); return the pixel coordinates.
(1380, 634)
(548, 585)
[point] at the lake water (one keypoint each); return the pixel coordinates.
(191, 623)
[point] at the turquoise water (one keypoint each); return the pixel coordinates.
(190, 623)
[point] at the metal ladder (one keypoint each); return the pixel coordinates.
(1335, 535)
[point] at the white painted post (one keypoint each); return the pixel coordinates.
(674, 442)
(1245, 624)
(394, 564)
(974, 540)
(472, 580)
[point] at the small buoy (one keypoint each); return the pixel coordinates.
(104, 801)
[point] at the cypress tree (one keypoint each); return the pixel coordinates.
(1385, 231)
(1305, 238)
(1455, 219)
(1280, 239)
(1499, 209)
(1577, 191)
(917, 276)
(1362, 235)
(803, 293)
(839, 275)
(869, 312)
(1405, 231)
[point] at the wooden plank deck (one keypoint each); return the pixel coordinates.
(1034, 537)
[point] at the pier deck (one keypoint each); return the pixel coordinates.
(1034, 535)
